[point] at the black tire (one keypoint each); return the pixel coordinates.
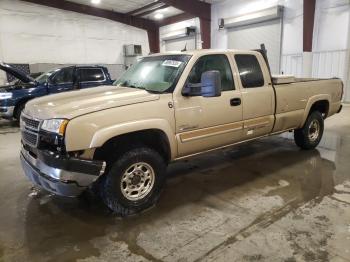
(18, 111)
(110, 186)
(309, 136)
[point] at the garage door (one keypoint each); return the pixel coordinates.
(251, 36)
(179, 44)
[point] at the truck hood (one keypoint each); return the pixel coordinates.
(16, 73)
(75, 103)
(10, 88)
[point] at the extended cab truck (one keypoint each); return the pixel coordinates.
(14, 97)
(170, 106)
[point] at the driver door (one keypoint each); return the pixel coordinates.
(62, 81)
(204, 123)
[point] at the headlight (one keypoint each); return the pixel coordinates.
(5, 96)
(57, 126)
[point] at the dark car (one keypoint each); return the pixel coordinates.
(14, 97)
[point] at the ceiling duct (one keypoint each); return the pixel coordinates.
(272, 13)
(185, 32)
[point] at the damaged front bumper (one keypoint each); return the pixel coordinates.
(60, 175)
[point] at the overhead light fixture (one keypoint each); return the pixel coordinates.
(158, 16)
(95, 2)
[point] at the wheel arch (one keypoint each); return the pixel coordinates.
(157, 135)
(319, 103)
(20, 102)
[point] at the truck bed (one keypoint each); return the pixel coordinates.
(294, 98)
(289, 79)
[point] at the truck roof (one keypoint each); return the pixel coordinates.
(203, 51)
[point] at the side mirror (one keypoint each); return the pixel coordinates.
(211, 84)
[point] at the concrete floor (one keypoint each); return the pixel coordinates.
(261, 201)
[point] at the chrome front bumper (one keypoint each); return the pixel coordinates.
(6, 111)
(69, 182)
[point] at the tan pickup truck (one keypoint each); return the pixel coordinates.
(120, 138)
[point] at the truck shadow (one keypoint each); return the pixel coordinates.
(56, 223)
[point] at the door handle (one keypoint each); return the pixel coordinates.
(235, 101)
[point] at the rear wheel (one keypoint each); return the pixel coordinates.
(134, 181)
(309, 136)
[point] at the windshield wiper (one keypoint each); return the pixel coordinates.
(128, 84)
(153, 91)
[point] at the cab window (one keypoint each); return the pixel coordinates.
(212, 62)
(249, 71)
(64, 76)
(91, 75)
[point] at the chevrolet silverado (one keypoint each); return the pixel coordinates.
(120, 138)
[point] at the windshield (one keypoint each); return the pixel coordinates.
(43, 77)
(155, 73)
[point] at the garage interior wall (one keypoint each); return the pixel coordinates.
(45, 37)
(331, 42)
(179, 43)
(292, 33)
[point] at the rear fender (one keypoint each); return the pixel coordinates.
(312, 100)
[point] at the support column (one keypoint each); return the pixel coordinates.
(205, 27)
(308, 30)
(3, 78)
(153, 40)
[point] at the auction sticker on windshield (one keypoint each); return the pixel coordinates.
(172, 63)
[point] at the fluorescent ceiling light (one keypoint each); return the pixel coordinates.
(158, 16)
(95, 2)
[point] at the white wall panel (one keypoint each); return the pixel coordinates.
(32, 34)
(251, 36)
(328, 64)
(180, 43)
(292, 64)
(166, 30)
(331, 25)
(292, 36)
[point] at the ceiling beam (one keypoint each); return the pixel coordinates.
(143, 8)
(308, 24)
(94, 11)
(193, 7)
(147, 12)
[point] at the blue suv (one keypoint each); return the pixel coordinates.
(14, 97)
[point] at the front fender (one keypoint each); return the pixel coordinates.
(102, 135)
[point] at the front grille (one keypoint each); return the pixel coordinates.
(30, 138)
(30, 123)
(30, 130)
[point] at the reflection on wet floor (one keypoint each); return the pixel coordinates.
(211, 202)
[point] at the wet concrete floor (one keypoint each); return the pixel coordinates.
(261, 201)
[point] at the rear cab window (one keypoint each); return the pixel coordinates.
(91, 75)
(249, 71)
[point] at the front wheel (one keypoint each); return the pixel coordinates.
(309, 136)
(134, 181)
(18, 111)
